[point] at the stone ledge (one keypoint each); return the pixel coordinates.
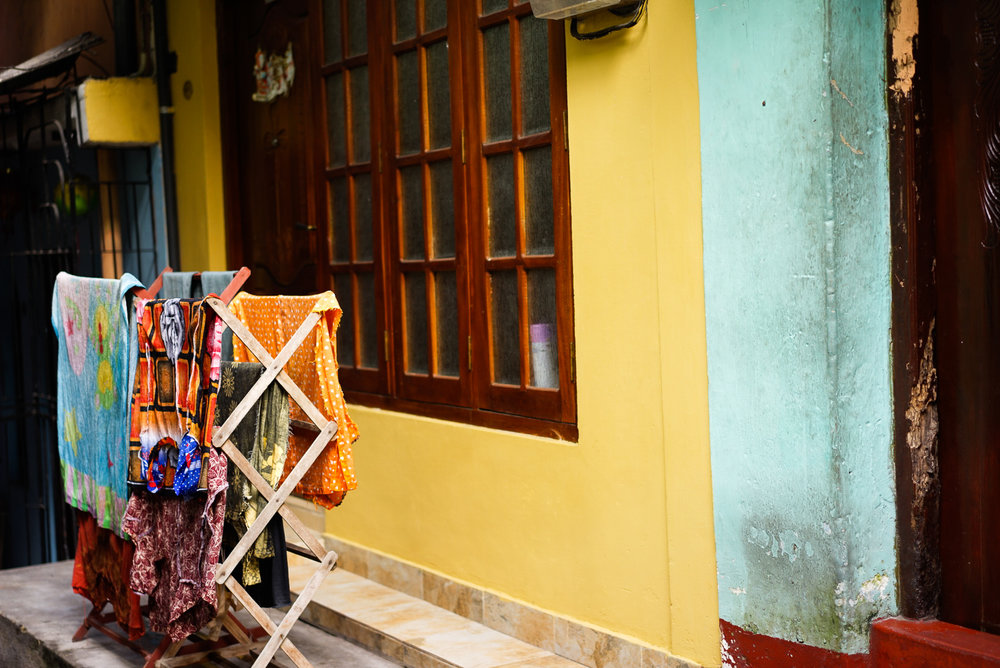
(410, 631)
(580, 644)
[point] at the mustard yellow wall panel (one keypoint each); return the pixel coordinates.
(616, 530)
(118, 112)
(197, 135)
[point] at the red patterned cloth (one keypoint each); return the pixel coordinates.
(177, 541)
(101, 573)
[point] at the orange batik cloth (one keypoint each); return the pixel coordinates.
(273, 320)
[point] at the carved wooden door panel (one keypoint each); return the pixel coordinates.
(959, 62)
(270, 145)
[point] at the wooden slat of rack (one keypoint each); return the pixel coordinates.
(274, 367)
(280, 495)
(274, 371)
(292, 616)
(257, 480)
(240, 331)
(266, 622)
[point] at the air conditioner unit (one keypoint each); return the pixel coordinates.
(564, 9)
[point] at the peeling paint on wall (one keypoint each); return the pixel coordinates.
(903, 24)
(922, 414)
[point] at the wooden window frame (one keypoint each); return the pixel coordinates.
(471, 397)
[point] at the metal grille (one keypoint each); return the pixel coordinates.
(63, 207)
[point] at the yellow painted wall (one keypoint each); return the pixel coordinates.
(197, 141)
(614, 531)
(120, 111)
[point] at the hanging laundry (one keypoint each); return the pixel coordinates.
(91, 321)
(262, 437)
(272, 589)
(102, 570)
(273, 320)
(177, 542)
(197, 285)
(173, 400)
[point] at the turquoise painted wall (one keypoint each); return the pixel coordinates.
(797, 257)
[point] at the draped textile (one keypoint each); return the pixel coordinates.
(262, 437)
(175, 390)
(101, 572)
(177, 543)
(273, 320)
(91, 321)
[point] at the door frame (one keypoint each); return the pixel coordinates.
(229, 69)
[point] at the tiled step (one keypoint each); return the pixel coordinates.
(410, 631)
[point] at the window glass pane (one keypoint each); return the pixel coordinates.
(345, 333)
(500, 213)
(369, 338)
(490, 6)
(538, 231)
(336, 120)
(435, 14)
(340, 221)
(542, 327)
(406, 19)
(411, 204)
(438, 95)
(357, 27)
(442, 210)
(363, 217)
(332, 50)
(415, 288)
(408, 102)
(496, 48)
(505, 328)
(534, 75)
(446, 310)
(360, 116)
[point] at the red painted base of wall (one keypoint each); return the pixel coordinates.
(742, 649)
(917, 644)
(894, 643)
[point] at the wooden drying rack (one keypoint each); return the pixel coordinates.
(239, 640)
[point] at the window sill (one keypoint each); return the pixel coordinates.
(561, 431)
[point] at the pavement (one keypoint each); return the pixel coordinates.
(39, 613)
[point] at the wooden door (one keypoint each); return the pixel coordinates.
(270, 147)
(959, 62)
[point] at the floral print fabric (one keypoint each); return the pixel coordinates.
(177, 542)
(273, 320)
(90, 317)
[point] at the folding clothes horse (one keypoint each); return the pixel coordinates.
(274, 371)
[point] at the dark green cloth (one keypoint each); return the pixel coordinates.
(262, 437)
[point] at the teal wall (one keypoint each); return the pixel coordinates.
(796, 233)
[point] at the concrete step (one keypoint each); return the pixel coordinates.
(410, 631)
(39, 613)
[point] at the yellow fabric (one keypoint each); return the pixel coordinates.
(273, 320)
